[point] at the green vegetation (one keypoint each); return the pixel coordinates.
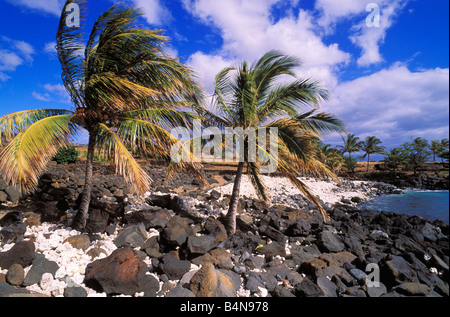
(372, 146)
(350, 164)
(351, 145)
(67, 155)
(249, 96)
(127, 93)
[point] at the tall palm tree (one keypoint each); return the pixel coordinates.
(443, 153)
(127, 93)
(250, 96)
(371, 146)
(436, 148)
(351, 145)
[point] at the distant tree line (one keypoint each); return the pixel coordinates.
(410, 155)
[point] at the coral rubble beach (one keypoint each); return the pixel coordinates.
(170, 243)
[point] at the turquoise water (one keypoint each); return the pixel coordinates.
(428, 204)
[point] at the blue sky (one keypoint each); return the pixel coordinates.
(390, 81)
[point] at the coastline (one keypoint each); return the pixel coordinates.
(283, 251)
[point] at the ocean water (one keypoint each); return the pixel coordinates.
(428, 204)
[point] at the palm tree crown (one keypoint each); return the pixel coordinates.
(250, 96)
(351, 145)
(371, 145)
(127, 93)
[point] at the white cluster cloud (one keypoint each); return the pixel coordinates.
(395, 104)
(13, 53)
(155, 12)
(248, 31)
(53, 92)
(48, 6)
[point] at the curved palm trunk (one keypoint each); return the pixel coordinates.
(230, 218)
(80, 220)
(368, 161)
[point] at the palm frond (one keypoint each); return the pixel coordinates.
(289, 99)
(14, 123)
(269, 68)
(257, 182)
(306, 191)
(223, 91)
(111, 145)
(165, 117)
(24, 159)
(69, 46)
(289, 169)
(116, 93)
(136, 55)
(145, 136)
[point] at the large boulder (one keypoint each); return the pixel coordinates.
(123, 272)
(133, 236)
(150, 218)
(40, 266)
(12, 227)
(210, 282)
(201, 244)
(22, 253)
(173, 266)
(177, 231)
(331, 242)
(13, 193)
(397, 271)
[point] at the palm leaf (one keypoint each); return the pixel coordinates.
(136, 55)
(69, 45)
(111, 145)
(290, 171)
(290, 98)
(24, 159)
(164, 117)
(14, 123)
(306, 191)
(257, 182)
(146, 136)
(116, 93)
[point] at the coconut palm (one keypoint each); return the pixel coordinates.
(351, 145)
(331, 157)
(443, 153)
(438, 148)
(127, 93)
(250, 97)
(371, 146)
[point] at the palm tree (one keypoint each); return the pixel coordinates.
(249, 97)
(351, 145)
(443, 153)
(371, 146)
(331, 157)
(127, 93)
(435, 148)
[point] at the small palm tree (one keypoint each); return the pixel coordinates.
(331, 157)
(443, 153)
(250, 97)
(371, 146)
(127, 93)
(436, 148)
(351, 145)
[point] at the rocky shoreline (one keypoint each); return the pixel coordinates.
(419, 181)
(171, 243)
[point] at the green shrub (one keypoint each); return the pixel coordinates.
(350, 164)
(100, 158)
(67, 155)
